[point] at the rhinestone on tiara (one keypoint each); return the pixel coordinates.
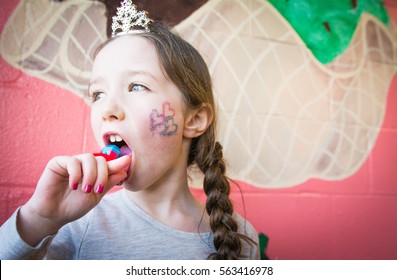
(128, 18)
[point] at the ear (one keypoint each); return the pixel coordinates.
(197, 121)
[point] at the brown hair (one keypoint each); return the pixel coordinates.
(188, 71)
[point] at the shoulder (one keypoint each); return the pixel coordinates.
(245, 227)
(250, 250)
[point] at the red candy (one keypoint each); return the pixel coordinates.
(109, 152)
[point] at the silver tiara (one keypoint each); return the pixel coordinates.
(128, 18)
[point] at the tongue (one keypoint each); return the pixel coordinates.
(125, 151)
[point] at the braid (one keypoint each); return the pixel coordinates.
(209, 158)
(220, 209)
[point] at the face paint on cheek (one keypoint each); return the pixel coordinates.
(163, 123)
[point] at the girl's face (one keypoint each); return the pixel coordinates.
(134, 101)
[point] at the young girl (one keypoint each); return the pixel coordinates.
(152, 97)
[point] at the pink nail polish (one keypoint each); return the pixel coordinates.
(75, 186)
(88, 188)
(99, 188)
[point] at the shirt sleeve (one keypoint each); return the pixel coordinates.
(250, 250)
(13, 247)
(255, 254)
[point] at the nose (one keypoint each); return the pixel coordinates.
(112, 110)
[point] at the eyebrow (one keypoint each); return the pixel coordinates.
(92, 82)
(145, 73)
(127, 73)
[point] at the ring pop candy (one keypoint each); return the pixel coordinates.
(109, 152)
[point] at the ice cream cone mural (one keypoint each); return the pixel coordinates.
(288, 112)
(286, 116)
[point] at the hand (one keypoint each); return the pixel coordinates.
(67, 190)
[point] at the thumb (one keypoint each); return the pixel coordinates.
(121, 164)
(119, 170)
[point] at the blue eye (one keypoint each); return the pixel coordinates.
(95, 96)
(136, 87)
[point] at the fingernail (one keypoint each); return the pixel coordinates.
(75, 186)
(99, 188)
(88, 188)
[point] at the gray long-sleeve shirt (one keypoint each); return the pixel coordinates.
(117, 229)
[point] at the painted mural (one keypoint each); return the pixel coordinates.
(301, 89)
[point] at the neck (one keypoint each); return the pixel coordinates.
(173, 205)
(163, 193)
(170, 201)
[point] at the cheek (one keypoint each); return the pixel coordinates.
(95, 126)
(164, 130)
(163, 122)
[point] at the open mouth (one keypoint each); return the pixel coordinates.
(117, 140)
(119, 143)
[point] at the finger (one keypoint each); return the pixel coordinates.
(123, 163)
(89, 171)
(102, 174)
(73, 168)
(66, 167)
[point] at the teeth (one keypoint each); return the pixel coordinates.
(115, 138)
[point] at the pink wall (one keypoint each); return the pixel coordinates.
(354, 218)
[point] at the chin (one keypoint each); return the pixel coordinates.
(129, 186)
